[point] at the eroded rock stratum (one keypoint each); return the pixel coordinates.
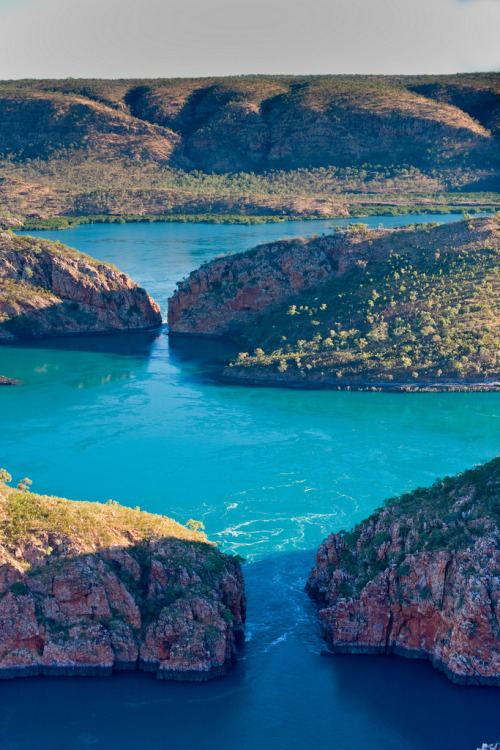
(48, 289)
(89, 588)
(420, 578)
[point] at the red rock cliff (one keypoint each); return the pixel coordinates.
(226, 293)
(49, 289)
(420, 578)
(86, 589)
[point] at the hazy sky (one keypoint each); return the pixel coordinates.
(149, 38)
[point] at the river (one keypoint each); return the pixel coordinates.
(270, 472)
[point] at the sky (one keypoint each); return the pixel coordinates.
(177, 38)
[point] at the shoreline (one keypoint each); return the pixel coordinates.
(109, 669)
(330, 385)
(332, 650)
(101, 332)
(364, 212)
(275, 381)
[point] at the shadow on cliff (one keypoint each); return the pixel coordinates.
(363, 701)
(91, 613)
(282, 694)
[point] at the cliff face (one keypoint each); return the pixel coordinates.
(409, 307)
(49, 289)
(420, 578)
(224, 295)
(86, 589)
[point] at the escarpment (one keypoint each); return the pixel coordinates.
(87, 588)
(258, 122)
(49, 289)
(404, 308)
(267, 146)
(420, 578)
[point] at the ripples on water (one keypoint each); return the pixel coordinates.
(270, 472)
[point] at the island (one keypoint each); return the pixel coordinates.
(397, 309)
(420, 578)
(87, 588)
(48, 289)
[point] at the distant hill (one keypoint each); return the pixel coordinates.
(406, 308)
(258, 123)
(231, 145)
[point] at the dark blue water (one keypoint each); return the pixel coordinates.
(270, 472)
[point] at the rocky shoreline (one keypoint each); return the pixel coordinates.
(268, 381)
(87, 589)
(420, 578)
(9, 381)
(48, 289)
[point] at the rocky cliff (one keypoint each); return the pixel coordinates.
(411, 307)
(223, 296)
(88, 588)
(48, 289)
(420, 578)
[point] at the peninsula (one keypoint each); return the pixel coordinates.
(48, 289)
(408, 308)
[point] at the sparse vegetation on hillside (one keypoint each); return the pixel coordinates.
(90, 587)
(26, 516)
(251, 145)
(422, 309)
(450, 515)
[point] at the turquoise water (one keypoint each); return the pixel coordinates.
(270, 472)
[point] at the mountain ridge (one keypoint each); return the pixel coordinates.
(250, 145)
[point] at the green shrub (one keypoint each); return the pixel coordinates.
(19, 588)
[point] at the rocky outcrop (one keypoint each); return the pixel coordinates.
(395, 309)
(222, 296)
(225, 295)
(420, 578)
(9, 381)
(86, 589)
(48, 289)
